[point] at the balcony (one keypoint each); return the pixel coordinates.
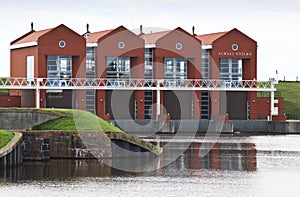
(137, 84)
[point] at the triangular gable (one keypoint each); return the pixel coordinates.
(97, 37)
(20, 38)
(235, 29)
(152, 38)
(208, 39)
(187, 33)
(155, 37)
(31, 38)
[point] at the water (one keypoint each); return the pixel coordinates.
(234, 166)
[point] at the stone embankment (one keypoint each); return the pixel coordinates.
(46, 145)
(10, 154)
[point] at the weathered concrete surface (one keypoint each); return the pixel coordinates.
(147, 128)
(44, 145)
(22, 119)
(10, 154)
(134, 144)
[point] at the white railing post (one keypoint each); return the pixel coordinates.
(158, 99)
(37, 93)
(273, 82)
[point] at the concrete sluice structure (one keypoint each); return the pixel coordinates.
(10, 154)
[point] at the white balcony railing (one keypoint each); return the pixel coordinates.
(137, 84)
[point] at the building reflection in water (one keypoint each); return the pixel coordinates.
(219, 156)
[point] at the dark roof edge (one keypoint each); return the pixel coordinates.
(20, 38)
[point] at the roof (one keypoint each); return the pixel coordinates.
(153, 37)
(94, 37)
(31, 37)
(208, 39)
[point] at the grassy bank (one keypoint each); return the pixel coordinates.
(5, 137)
(75, 120)
(290, 91)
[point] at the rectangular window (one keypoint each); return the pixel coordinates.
(231, 69)
(148, 63)
(148, 104)
(30, 68)
(205, 105)
(90, 61)
(205, 64)
(118, 67)
(175, 68)
(59, 67)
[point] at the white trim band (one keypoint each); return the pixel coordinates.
(23, 45)
(91, 44)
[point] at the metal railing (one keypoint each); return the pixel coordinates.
(136, 84)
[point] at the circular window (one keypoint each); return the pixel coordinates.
(121, 45)
(178, 46)
(62, 44)
(235, 47)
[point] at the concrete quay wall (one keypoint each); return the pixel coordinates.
(44, 145)
(144, 127)
(23, 119)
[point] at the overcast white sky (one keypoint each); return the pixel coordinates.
(274, 24)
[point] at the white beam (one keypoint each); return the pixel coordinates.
(23, 45)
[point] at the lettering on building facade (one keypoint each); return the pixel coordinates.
(235, 54)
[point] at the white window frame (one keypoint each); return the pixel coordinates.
(30, 68)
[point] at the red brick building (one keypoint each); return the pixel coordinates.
(174, 55)
(229, 56)
(116, 54)
(190, 74)
(58, 54)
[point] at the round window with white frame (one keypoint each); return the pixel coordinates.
(178, 46)
(121, 45)
(62, 43)
(235, 47)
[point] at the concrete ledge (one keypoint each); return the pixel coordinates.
(136, 141)
(10, 146)
(20, 119)
(260, 127)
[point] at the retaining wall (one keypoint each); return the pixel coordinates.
(43, 145)
(46, 145)
(21, 119)
(144, 127)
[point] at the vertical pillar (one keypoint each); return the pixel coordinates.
(197, 104)
(140, 97)
(158, 102)
(37, 98)
(272, 101)
(215, 102)
(37, 94)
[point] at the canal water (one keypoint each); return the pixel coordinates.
(226, 166)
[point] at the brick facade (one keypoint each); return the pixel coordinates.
(225, 45)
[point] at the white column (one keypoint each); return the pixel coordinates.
(37, 98)
(158, 102)
(37, 93)
(272, 100)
